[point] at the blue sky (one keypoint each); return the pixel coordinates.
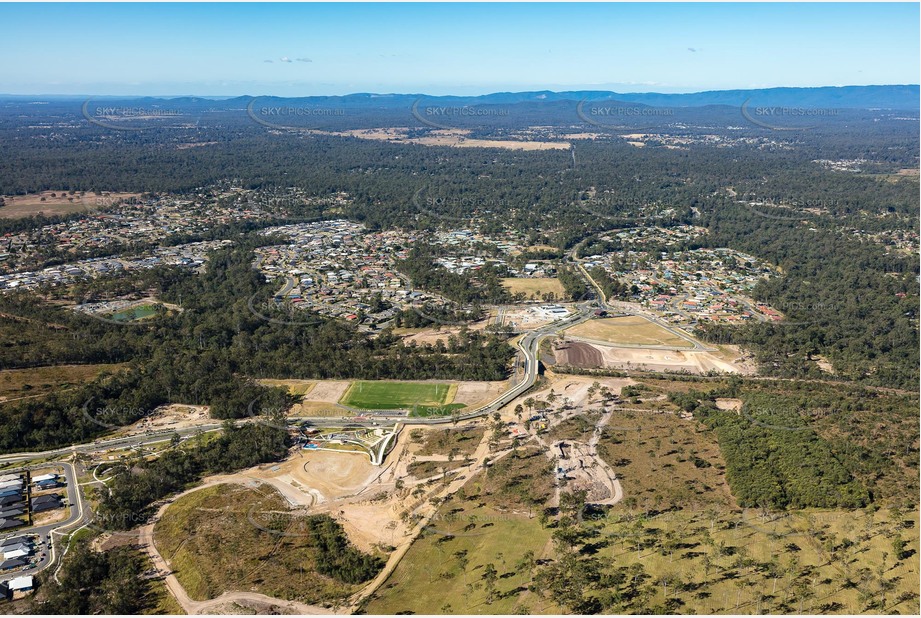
(316, 49)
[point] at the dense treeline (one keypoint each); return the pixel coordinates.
(98, 582)
(337, 557)
(574, 283)
(774, 459)
(139, 484)
(610, 287)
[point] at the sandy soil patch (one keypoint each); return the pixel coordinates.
(295, 387)
(729, 404)
(327, 391)
(490, 143)
(574, 389)
(582, 354)
(824, 365)
(50, 517)
(476, 394)
(663, 360)
(319, 476)
(347, 487)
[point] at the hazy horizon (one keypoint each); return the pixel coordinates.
(226, 50)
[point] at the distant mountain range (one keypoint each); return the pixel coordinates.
(902, 97)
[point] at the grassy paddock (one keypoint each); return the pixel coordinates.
(535, 286)
(631, 330)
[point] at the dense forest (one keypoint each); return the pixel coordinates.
(798, 445)
(98, 582)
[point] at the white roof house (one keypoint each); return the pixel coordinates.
(44, 477)
(23, 582)
(16, 553)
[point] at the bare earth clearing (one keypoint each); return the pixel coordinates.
(588, 355)
(455, 138)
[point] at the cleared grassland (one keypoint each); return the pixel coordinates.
(229, 537)
(60, 203)
(631, 330)
(534, 286)
(716, 561)
(16, 383)
(392, 395)
(665, 462)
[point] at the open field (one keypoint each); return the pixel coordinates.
(229, 537)
(386, 395)
(51, 203)
(534, 287)
(434, 576)
(15, 383)
(456, 138)
(631, 330)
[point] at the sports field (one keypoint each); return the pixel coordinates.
(630, 330)
(386, 395)
(534, 285)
